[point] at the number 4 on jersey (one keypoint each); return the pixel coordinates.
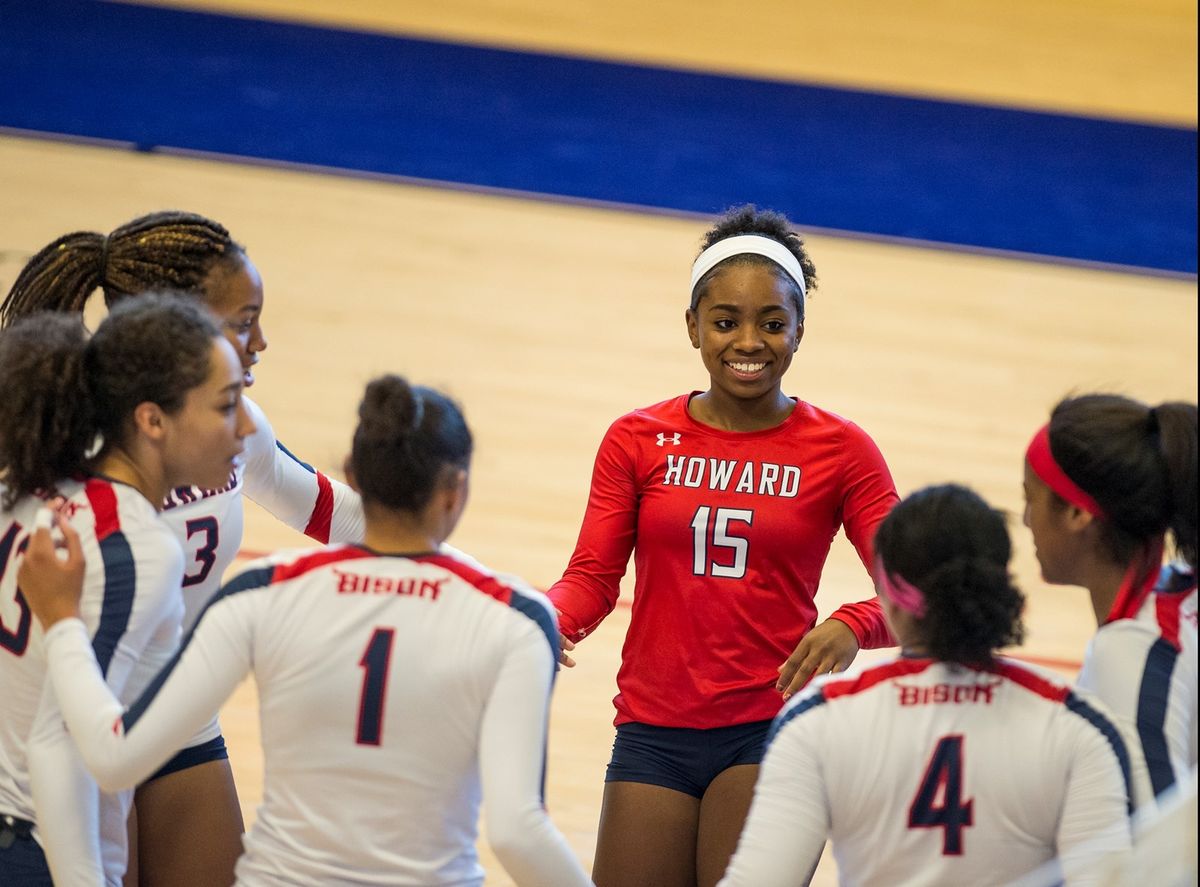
(943, 782)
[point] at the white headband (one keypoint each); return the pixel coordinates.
(749, 243)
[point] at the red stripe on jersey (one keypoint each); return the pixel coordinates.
(869, 678)
(489, 585)
(1166, 609)
(1029, 680)
(1133, 592)
(103, 499)
(322, 513)
(321, 558)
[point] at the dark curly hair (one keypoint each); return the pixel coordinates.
(748, 219)
(406, 437)
(949, 543)
(171, 250)
(1138, 462)
(63, 389)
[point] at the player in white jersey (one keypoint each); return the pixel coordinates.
(160, 387)
(949, 764)
(1106, 481)
(396, 683)
(189, 821)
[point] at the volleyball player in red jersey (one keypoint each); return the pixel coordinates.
(729, 500)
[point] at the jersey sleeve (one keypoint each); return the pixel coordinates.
(869, 493)
(122, 747)
(589, 588)
(512, 759)
(788, 822)
(66, 799)
(1095, 819)
(141, 579)
(1112, 673)
(302, 497)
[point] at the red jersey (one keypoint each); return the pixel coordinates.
(730, 532)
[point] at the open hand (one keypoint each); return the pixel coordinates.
(829, 647)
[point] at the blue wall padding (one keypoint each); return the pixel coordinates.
(1055, 185)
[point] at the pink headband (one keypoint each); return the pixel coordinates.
(899, 591)
(1041, 460)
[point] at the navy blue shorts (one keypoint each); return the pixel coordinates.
(22, 862)
(681, 758)
(213, 750)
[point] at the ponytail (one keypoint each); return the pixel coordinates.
(1137, 462)
(162, 251)
(47, 419)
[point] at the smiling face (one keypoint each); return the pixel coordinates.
(235, 296)
(747, 329)
(205, 436)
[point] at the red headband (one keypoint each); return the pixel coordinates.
(1041, 460)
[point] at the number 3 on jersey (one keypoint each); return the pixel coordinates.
(943, 781)
(705, 553)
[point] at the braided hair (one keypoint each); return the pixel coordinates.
(161, 251)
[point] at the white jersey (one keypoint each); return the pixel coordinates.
(393, 691)
(131, 609)
(1142, 664)
(208, 523)
(928, 773)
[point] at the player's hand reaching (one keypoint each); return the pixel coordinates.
(51, 573)
(829, 647)
(565, 645)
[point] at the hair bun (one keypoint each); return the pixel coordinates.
(391, 410)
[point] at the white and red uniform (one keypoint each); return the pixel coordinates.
(924, 772)
(392, 690)
(730, 532)
(131, 614)
(209, 523)
(1142, 664)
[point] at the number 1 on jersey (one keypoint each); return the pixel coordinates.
(374, 662)
(701, 565)
(943, 780)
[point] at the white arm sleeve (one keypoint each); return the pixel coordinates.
(512, 759)
(295, 492)
(785, 830)
(66, 799)
(121, 751)
(1095, 816)
(1112, 673)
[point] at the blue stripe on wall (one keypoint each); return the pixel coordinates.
(993, 178)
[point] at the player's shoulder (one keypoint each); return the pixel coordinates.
(670, 412)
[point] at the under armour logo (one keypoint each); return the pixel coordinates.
(673, 440)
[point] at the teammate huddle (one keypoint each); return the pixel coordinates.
(418, 681)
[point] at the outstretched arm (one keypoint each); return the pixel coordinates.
(298, 494)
